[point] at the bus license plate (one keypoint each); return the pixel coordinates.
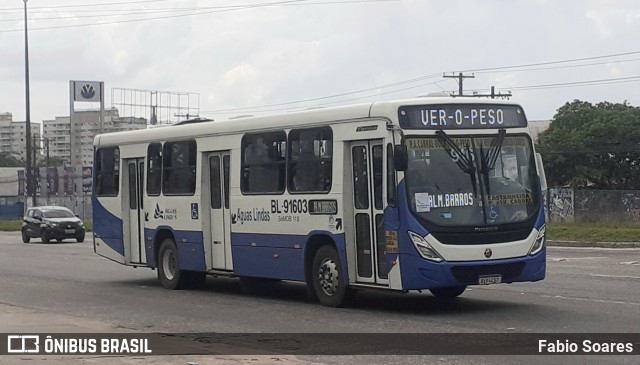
(489, 279)
(69, 231)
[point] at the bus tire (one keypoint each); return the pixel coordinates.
(448, 293)
(327, 278)
(169, 273)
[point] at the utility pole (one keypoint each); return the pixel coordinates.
(46, 140)
(460, 78)
(35, 149)
(29, 177)
(493, 94)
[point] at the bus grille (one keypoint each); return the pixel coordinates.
(469, 274)
(481, 238)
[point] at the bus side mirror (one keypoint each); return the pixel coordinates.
(400, 157)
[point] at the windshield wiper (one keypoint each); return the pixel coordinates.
(464, 161)
(488, 161)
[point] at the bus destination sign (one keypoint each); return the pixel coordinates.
(461, 116)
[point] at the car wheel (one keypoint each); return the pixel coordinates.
(327, 278)
(58, 240)
(80, 239)
(45, 236)
(25, 237)
(448, 293)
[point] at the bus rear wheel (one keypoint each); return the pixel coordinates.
(448, 293)
(169, 273)
(327, 278)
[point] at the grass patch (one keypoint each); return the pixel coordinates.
(594, 232)
(16, 225)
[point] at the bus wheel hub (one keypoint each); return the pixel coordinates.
(328, 277)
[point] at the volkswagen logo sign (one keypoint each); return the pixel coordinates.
(87, 91)
(488, 253)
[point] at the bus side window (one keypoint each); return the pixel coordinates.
(263, 163)
(179, 168)
(310, 160)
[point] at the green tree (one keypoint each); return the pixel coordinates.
(595, 146)
(8, 160)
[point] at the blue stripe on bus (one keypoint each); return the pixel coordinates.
(190, 248)
(274, 256)
(107, 226)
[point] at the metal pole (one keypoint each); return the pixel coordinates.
(29, 177)
(46, 140)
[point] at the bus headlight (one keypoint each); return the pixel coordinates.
(424, 248)
(538, 244)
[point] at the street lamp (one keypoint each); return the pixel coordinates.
(30, 187)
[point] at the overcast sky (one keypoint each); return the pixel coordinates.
(241, 54)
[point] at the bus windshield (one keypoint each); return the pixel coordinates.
(471, 180)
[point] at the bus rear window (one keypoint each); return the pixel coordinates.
(107, 171)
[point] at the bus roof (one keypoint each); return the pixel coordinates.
(381, 109)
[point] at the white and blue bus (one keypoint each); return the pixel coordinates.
(427, 193)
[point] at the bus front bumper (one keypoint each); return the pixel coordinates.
(418, 273)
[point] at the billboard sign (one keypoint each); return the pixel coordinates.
(89, 91)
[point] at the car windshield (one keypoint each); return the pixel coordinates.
(471, 181)
(57, 213)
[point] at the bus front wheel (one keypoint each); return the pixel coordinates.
(169, 272)
(327, 278)
(448, 293)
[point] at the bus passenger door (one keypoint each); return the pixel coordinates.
(367, 164)
(219, 205)
(135, 216)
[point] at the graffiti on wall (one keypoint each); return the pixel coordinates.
(561, 205)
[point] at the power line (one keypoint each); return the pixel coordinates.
(196, 11)
(267, 108)
(90, 5)
(250, 6)
(578, 83)
(606, 81)
(331, 96)
(560, 67)
(552, 62)
(133, 11)
(240, 110)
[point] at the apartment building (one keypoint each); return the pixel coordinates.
(13, 134)
(538, 126)
(87, 126)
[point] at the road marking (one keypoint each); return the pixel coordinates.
(630, 263)
(577, 258)
(616, 249)
(591, 300)
(615, 276)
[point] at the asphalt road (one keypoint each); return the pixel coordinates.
(587, 290)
